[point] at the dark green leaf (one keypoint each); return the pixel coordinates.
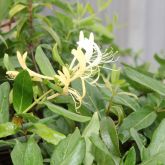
(22, 92)
(160, 60)
(131, 157)
(146, 81)
(138, 120)
(66, 113)
(127, 101)
(138, 140)
(3, 40)
(118, 111)
(109, 135)
(101, 153)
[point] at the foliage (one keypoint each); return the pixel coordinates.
(57, 108)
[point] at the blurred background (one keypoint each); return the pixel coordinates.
(141, 25)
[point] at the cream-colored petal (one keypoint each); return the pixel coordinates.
(21, 60)
(81, 36)
(12, 74)
(34, 74)
(91, 37)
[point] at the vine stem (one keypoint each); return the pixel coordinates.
(37, 100)
(7, 23)
(31, 31)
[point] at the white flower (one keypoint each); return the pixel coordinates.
(94, 56)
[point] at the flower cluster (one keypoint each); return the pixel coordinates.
(86, 63)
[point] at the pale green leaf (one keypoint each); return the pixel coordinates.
(48, 134)
(17, 154)
(32, 155)
(16, 9)
(92, 128)
(4, 102)
(44, 63)
(69, 151)
(8, 63)
(7, 129)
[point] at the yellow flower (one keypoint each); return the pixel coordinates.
(22, 62)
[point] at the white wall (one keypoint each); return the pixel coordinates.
(142, 25)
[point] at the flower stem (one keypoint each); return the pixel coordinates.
(37, 101)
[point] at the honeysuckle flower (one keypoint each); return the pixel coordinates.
(94, 56)
(86, 64)
(22, 62)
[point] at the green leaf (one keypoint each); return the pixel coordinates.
(157, 159)
(146, 81)
(66, 113)
(29, 117)
(20, 26)
(56, 55)
(16, 9)
(92, 128)
(69, 151)
(4, 8)
(103, 4)
(3, 40)
(127, 101)
(27, 153)
(8, 62)
(48, 134)
(101, 153)
(131, 157)
(44, 63)
(7, 129)
(17, 154)
(160, 60)
(158, 140)
(33, 154)
(118, 111)
(102, 30)
(137, 120)
(109, 135)
(138, 141)
(22, 92)
(53, 34)
(4, 102)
